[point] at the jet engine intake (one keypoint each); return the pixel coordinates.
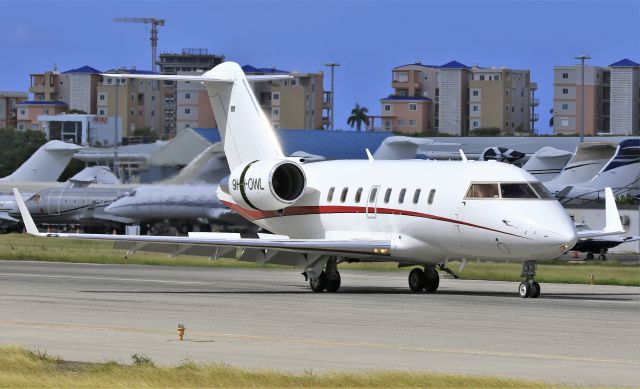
(267, 185)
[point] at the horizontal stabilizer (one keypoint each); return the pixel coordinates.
(198, 78)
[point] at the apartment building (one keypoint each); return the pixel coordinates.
(28, 112)
(611, 99)
(193, 109)
(138, 103)
(78, 88)
(455, 99)
(187, 61)
(8, 108)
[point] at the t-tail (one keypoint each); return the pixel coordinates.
(46, 164)
(244, 128)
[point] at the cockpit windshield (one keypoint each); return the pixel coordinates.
(508, 190)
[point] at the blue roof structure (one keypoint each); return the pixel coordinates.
(418, 64)
(36, 102)
(626, 62)
(454, 65)
(131, 71)
(394, 97)
(253, 69)
(83, 70)
(329, 144)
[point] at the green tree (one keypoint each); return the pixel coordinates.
(551, 118)
(358, 116)
(16, 147)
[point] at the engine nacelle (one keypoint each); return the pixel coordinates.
(267, 185)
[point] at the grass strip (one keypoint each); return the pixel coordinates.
(26, 247)
(20, 368)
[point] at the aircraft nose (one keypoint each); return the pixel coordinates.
(563, 236)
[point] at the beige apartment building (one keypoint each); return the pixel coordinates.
(455, 99)
(295, 103)
(9, 108)
(78, 87)
(611, 99)
(139, 103)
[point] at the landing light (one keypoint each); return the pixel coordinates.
(380, 251)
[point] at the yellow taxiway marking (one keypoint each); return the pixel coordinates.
(321, 342)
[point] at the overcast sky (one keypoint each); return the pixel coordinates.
(368, 38)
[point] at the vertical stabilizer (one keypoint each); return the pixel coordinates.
(244, 128)
(46, 164)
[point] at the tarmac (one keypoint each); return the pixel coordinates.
(574, 334)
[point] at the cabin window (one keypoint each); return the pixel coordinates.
(372, 195)
(387, 195)
(343, 197)
(483, 191)
(416, 196)
(432, 193)
(401, 195)
(517, 191)
(358, 195)
(541, 190)
(329, 195)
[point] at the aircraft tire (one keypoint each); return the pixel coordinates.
(535, 290)
(524, 290)
(333, 284)
(589, 256)
(417, 280)
(432, 280)
(318, 284)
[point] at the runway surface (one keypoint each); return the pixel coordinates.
(577, 334)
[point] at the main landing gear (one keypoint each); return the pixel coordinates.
(329, 279)
(427, 279)
(529, 287)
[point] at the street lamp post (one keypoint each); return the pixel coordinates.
(332, 65)
(582, 58)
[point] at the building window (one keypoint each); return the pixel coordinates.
(564, 122)
(475, 92)
(413, 107)
(34, 126)
(153, 98)
(400, 76)
(412, 123)
(521, 109)
(275, 112)
(506, 91)
(109, 81)
(187, 110)
(513, 108)
(293, 82)
(496, 78)
(565, 75)
(23, 112)
(474, 108)
(187, 95)
(565, 91)
(425, 77)
(401, 122)
(102, 97)
(387, 107)
(153, 113)
(506, 107)
(101, 112)
(506, 124)
(46, 111)
(475, 124)
(276, 96)
(482, 77)
(565, 106)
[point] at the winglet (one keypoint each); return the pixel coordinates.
(369, 155)
(26, 216)
(464, 157)
(612, 217)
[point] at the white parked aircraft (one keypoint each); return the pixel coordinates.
(412, 212)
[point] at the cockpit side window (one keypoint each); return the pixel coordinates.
(541, 190)
(132, 194)
(517, 191)
(483, 191)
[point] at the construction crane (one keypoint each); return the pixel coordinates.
(154, 33)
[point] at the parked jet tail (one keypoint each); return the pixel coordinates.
(244, 128)
(46, 164)
(547, 163)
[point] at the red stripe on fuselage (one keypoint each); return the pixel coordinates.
(253, 214)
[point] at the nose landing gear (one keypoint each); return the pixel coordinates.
(529, 288)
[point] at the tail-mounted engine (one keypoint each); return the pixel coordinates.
(267, 185)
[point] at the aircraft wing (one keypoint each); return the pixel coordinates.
(4, 216)
(613, 225)
(268, 248)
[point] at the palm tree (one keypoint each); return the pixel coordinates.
(358, 116)
(551, 119)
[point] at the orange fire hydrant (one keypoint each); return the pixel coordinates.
(181, 331)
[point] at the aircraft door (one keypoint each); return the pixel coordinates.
(372, 202)
(53, 202)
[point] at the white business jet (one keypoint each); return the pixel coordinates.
(413, 212)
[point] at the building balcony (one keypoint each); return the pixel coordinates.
(535, 117)
(405, 85)
(535, 102)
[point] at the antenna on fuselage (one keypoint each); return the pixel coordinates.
(369, 155)
(464, 157)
